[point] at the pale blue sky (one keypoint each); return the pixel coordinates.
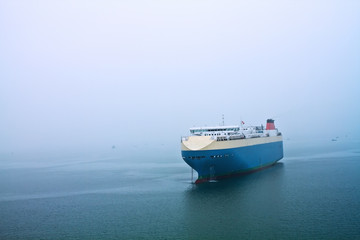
(97, 73)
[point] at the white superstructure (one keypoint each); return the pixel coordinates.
(226, 133)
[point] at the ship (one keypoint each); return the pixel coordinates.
(226, 151)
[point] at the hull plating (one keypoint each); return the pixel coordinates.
(217, 164)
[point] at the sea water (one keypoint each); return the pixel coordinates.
(313, 193)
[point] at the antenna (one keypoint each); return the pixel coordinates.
(223, 121)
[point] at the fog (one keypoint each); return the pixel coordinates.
(93, 74)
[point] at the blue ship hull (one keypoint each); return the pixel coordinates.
(221, 163)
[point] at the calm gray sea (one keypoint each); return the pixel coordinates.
(313, 193)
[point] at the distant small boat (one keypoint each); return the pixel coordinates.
(334, 139)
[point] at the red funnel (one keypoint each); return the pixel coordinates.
(270, 124)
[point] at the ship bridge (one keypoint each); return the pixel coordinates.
(214, 131)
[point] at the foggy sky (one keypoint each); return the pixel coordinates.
(98, 73)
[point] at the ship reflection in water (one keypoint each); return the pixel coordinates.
(303, 198)
(240, 207)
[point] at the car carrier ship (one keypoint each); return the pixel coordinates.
(224, 151)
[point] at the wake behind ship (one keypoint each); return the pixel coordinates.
(224, 151)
